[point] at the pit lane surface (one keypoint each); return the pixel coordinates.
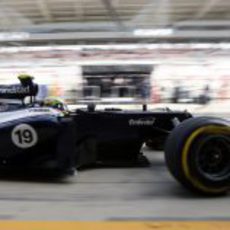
(109, 194)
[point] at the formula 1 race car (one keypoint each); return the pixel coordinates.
(46, 134)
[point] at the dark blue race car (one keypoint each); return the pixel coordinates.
(46, 135)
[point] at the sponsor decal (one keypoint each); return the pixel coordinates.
(142, 121)
(47, 111)
(40, 110)
(15, 90)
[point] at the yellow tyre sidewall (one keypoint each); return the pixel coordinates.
(209, 129)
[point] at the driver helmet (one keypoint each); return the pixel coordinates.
(55, 102)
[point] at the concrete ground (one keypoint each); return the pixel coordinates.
(110, 194)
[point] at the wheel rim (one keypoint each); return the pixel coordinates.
(213, 157)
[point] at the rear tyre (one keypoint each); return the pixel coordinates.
(197, 153)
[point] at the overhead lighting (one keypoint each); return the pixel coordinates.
(14, 36)
(153, 32)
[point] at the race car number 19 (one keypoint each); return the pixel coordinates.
(24, 136)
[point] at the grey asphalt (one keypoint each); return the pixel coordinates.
(109, 194)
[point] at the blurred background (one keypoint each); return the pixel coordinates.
(119, 51)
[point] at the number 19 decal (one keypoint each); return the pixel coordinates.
(24, 136)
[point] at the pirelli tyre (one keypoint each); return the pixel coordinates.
(197, 153)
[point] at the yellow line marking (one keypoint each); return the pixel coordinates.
(207, 129)
(148, 225)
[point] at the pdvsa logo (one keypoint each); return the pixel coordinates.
(142, 121)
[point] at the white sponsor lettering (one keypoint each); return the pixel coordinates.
(15, 90)
(142, 121)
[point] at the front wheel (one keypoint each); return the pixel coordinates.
(197, 153)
